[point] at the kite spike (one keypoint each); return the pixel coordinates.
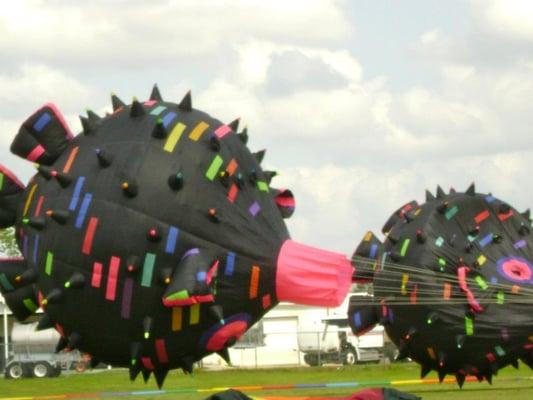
(76, 281)
(156, 94)
(442, 207)
(488, 377)
(136, 109)
(74, 341)
(134, 372)
(88, 126)
(403, 350)
(471, 190)
(45, 323)
(269, 175)
(45, 172)
(259, 155)
(28, 276)
(452, 190)
(93, 116)
(527, 214)
(146, 375)
(186, 103)
(234, 125)
(159, 131)
(239, 180)
(504, 208)
(187, 363)
(479, 377)
(148, 324)
(429, 196)
(440, 192)
(64, 179)
(460, 378)
(132, 264)
(441, 374)
(175, 181)
(424, 370)
(160, 376)
(216, 312)
(523, 230)
(130, 188)
(224, 353)
(165, 276)
(55, 296)
(38, 223)
(104, 158)
(515, 364)
(135, 352)
(243, 135)
(420, 236)
(60, 216)
(214, 143)
(61, 344)
(392, 237)
(116, 102)
(395, 256)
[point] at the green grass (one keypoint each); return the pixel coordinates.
(509, 384)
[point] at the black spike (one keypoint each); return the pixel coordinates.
(224, 178)
(93, 116)
(45, 323)
(187, 363)
(37, 222)
(514, 363)
(74, 341)
(214, 143)
(89, 126)
(224, 353)
(160, 375)
(156, 95)
(424, 370)
(471, 191)
(186, 103)
(165, 276)
(146, 375)
(441, 374)
(135, 352)
(55, 296)
(216, 312)
(76, 281)
(104, 158)
(395, 256)
(148, 323)
(175, 181)
(269, 175)
(441, 208)
(452, 190)
(239, 180)
(28, 276)
(527, 214)
(392, 237)
(403, 350)
(136, 109)
(488, 377)
(64, 179)
(504, 208)
(523, 230)
(243, 136)
(61, 344)
(460, 378)
(130, 189)
(420, 236)
(234, 125)
(259, 155)
(46, 172)
(253, 177)
(440, 192)
(429, 196)
(116, 102)
(159, 131)
(134, 372)
(60, 216)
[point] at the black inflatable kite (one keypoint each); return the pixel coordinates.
(153, 238)
(453, 284)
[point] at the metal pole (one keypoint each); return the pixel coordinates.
(6, 340)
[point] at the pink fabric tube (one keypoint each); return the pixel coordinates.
(312, 276)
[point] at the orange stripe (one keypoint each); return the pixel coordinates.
(198, 130)
(431, 353)
(39, 206)
(176, 319)
(29, 199)
(447, 291)
(232, 167)
(70, 159)
(254, 282)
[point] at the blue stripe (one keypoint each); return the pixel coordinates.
(201, 276)
(167, 119)
(357, 319)
(25, 246)
(489, 198)
(35, 249)
(373, 251)
(43, 120)
(230, 264)
(486, 240)
(76, 194)
(172, 238)
(83, 210)
(342, 384)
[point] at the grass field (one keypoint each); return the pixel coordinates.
(510, 383)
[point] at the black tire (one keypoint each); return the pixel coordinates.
(311, 359)
(42, 369)
(15, 371)
(390, 352)
(350, 357)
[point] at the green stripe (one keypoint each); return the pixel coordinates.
(148, 269)
(439, 241)
(30, 305)
(451, 212)
(49, 262)
(1, 180)
(405, 245)
(469, 326)
(499, 351)
(158, 110)
(263, 186)
(181, 295)
(481, 282)
(500, 296)
(5, 283)
(214, 167)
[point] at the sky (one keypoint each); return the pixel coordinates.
(361, 105)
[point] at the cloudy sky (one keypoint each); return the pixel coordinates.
(362, 105)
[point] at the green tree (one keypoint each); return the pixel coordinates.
(8, 244)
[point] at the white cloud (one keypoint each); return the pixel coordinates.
(511, 19)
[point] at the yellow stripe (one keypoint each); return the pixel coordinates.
(29, 199)
(198, 130)
(194, 316)
(176, 319)
(174, 136)
(368, 236)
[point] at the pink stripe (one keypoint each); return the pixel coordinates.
(61, 119)
(149, 103)
(89, 236)
(97, 275)
(232, 194)
(222, 131)
(37, 152)
(12, 177)
(39, 206)
(147, 362)
(161, 351)
(111, 289)
(126, 298)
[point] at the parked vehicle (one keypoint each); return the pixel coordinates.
(331, 340)
(32, 354)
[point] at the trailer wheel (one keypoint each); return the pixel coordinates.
(311, 360)
(41, 369)
(350, 357)
(14, 371)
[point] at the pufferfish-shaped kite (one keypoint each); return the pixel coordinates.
(153, 238)
(453, 284)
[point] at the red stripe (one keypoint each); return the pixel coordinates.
(503, 217)
(39, 206)
(161, 351)
(35, 153)
(89, 236)
(97, 275)
(111, 289)
(147, 362)
(232, 194)
(481, 216)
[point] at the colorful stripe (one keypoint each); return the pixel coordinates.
(232, 193)
(5, 282)
(148, 270)
(30, 305)
(214, 167)
(70, 159)
(485, 240)
(521, 243)
(451, 212)
(83, 210)
(172, 239)
(405, 246)
(232, 167)
(198, 131)
(167, 119)
(35, 248)
(254, 208)
(112, 279)
(76, 194)
(254, 282)
(173, 138)
(43, 120)
(230, 264)
(37, 152)
(483, 215)
(1, 181)
(469, 326)
(39, 206)
(29, 199)
(447, 291)
(96, 279)
(89, 236)
(194, 314)
(161, 351)
(222, 131)
(49, 263)
(158, 110)
(127, 293)
(262, 186)
(177, 315)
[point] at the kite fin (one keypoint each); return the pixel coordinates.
(285, 201)
(401, 214)
(369, 249)
(43, 136)
(17, 288)
(362, 314)
(191, 280)
(10, 196)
